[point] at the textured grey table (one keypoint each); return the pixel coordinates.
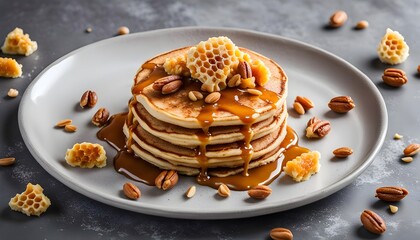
(58, 27)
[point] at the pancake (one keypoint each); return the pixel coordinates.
(188, 137)
(177, 109)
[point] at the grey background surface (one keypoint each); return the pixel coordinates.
(59, 27)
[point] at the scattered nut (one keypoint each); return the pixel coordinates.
(259, 192)
(70, 128)
(190, 192)
(341, 104)
(89, 30)
(305, 102)
(101, 117)
(12, 93)
(223, 191)
(298, 108)
(372, 222)
(338, 19)
(244, 69)
(281, 234)
(123, 30)
(195, 95)
(318, 129)
(394, 77)
(407, 159)
(166, 180)
(254, 91)
(212, 97)
(393, 209)
(418, 69)
(7, 161)
(343, 152)
(234, 81)
(312, 121)
(397, 136)
(88, 99)
(63, 123)
(131, 191)
(412, 149)
(362, 24)
(391, 194)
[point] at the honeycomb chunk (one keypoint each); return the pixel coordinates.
(392, 49)
(261, 72)
(304, 166)
(86, 155)
(10, 68)
(212, 61)
(177, 66)
(18, 43)
(31, 202)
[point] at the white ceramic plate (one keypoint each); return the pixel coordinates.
(108, 67)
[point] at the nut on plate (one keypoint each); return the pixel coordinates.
(362, 24)
(338, 18)
(166, 180)
(131, 191)
(305, 102)
(318, 128)
(298, 108)
(394, 77)
(88, 99)
(63, 123)
(190, 192)
(281, 234)
(223, 191)
(343, 152)
(341, 104)
(391, 194)
(101, 117)
(372, 222)
(259, 192)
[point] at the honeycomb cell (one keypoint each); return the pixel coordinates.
(392, 49)
(81, 158)
(304, 166)
(31, 202)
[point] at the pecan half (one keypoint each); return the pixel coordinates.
(412, 149)
(259, 192)
(394, 77)
(88, 99)
(244, 69)
(281, 234)
(312, 121)
(341, 104)
(158, 84)
(372, 222)
(318, 129)
(391, 194)
(131, 191)
(166, 179)
(101, 117)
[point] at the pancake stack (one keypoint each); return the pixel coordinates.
(240, 131)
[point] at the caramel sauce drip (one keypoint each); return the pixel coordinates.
(156, 73)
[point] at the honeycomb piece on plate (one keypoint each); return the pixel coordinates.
(212, 61)
(177, 66)
(10, 68)
(304, 166)
(392, 49)
(86, 155)
(31, 202)
(18, 43)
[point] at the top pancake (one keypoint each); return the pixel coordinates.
(177, 109)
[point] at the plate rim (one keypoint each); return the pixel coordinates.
(214, 214)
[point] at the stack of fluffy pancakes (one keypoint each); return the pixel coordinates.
(239, 132)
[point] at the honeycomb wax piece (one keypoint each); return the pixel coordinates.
(177, 66)
(212, 61)
(392, 49)
(304, 166)
(18, 43)
(86, 155)
(10, 68)
(31, 202)
(261, 72)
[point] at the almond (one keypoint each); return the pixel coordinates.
(338, 19)
(63, 123)
(195, 95)
(259, 192)
(171, 87)
(362, 24)
(212, 97)
(158, 84)
(7, 161)
(305, 102)
(343, 152)
(254, 91)
(281, 234)
(298, 108)
(234, 81)
(70, 128)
